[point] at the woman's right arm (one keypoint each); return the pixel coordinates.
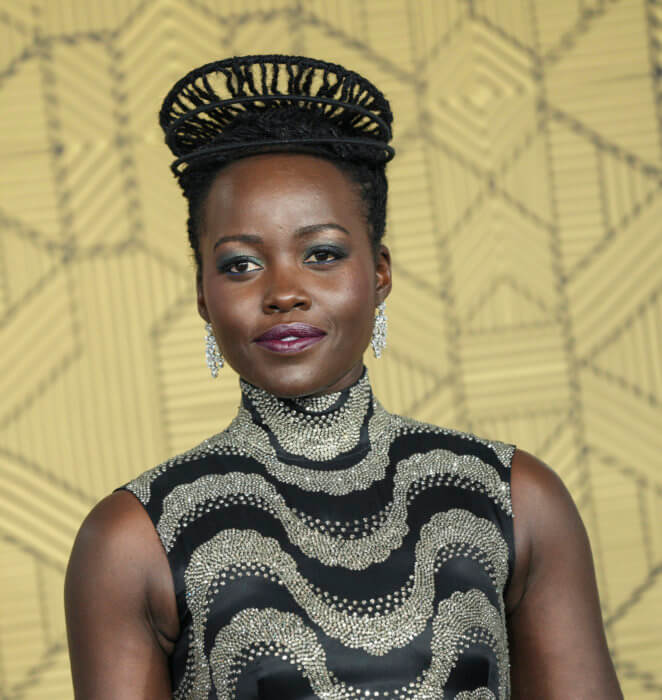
(120, 605)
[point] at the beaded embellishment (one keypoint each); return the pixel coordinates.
(297, 442)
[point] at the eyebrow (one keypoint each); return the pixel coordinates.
(316, 228)
(303, 231)
(240, 237)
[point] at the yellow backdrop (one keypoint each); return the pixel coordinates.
(524, 224)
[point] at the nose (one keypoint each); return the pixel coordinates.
(284, 291)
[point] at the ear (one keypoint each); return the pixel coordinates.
(202, 304)
(383, 274)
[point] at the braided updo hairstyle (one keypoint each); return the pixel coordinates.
(249, 105)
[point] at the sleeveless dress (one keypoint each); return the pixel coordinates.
(323, 547)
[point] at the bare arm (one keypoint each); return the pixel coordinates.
(120, 605)
(557, 640)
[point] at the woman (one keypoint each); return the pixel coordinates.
(320, 546)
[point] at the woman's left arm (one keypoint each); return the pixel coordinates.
(557, 641)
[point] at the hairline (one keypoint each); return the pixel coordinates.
(282, 150)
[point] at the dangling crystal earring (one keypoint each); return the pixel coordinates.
(378, 340)
(214, 358)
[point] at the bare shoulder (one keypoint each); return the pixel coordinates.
(118, 516)
(118, 544)
(116, 534)
(534, 483)
(558, 643)
(119, 602)
(547, 520)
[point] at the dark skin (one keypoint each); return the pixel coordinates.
(309, 258)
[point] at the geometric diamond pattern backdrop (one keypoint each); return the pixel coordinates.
(524, 222)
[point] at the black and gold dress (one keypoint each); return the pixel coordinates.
(325, 548)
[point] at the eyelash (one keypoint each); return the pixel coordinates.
(336, 252)
(227, 266)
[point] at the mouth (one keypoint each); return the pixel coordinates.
(290, 338)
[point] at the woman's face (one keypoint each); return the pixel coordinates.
(286, 252)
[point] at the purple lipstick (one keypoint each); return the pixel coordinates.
(290, 338)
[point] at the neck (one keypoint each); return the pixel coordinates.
(313, 429)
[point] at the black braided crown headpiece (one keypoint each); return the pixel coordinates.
(203, 113)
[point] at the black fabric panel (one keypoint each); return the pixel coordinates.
(272, 677)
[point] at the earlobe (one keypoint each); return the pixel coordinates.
(383, 274)
(203, 313)
(202, 306)
(382, 292)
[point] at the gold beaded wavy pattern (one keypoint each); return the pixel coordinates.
(377, 629)
(524, 227)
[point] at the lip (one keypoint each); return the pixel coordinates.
(283, 330)
(303, 336)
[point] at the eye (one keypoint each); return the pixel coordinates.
(325, 255)
(239, 266)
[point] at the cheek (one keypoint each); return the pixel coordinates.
(355, 298)
(230, 310)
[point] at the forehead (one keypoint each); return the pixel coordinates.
(287, 186)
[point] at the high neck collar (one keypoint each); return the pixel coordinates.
(314, 429)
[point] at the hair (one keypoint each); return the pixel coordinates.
(289, 123)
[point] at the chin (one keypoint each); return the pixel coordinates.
(300, 379)
(293, 383)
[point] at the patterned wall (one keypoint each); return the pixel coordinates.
(525, 229)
